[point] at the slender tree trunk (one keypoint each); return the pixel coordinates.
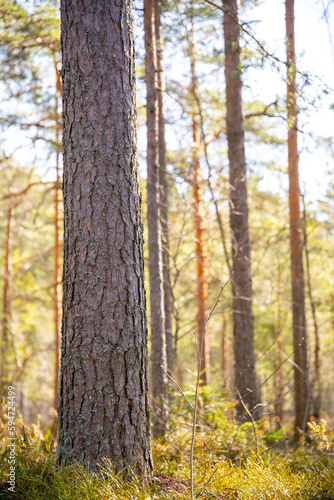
(279, 374)
(245, 377)
(202, 285)
(56, 276)
(5, 337)
(224, 351)
(302, 395)
(317, 377)
(163, 180)
(104, 400)
(158, 334)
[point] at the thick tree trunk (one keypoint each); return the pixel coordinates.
(202, 285)
(245, 378)
(158, 334)
(163, 180)
(302, 396)
(104, 401)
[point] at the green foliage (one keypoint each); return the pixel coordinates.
(300, 476)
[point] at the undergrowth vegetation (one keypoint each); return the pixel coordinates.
(232, 461)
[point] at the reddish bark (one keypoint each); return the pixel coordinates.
(202, 285)
(302, 396)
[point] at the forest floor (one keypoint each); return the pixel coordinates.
(231, 462)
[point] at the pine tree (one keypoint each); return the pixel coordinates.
(302, 395)
(243, 328)
(158, 332)
(104, 402)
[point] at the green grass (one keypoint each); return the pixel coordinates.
(226, 464)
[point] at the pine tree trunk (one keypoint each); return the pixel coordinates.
(224, 352)
(245, 378)
(279, 374)
(158, 334)
(104, 401)
(163, 180)
(56, 276)
(202, 285)
(316, 386)
(5, 332)
(302, 396)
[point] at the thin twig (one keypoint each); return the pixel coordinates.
(199, 357)
(252, 420)
(207, 483)
(179, 388)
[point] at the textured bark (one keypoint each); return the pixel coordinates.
(302, 396)
(245, 378)
(104, 402)
(163, 181)
(158, 335)
(202, 285)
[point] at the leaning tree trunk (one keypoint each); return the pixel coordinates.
(158, 334)
(245, 378)
(163, 181)
(302, 396)
(104, 402)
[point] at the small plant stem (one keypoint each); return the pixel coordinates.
(199, 357)
(179, 388)
(253, 423)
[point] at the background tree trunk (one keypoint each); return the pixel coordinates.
(245, 378)
(202, 285)
(5, 330)
(163, 180)
(279, 386)
(158, 334)
(302, 395)
(316, 386)
(104, 402)
(56, 277)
